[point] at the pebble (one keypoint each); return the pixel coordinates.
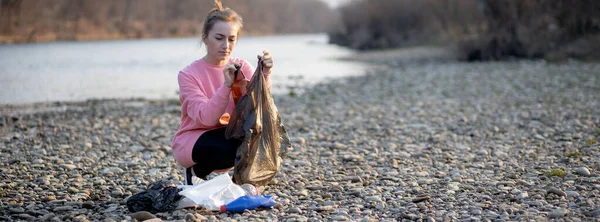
(190, 217)
(62, 208)
(420, 199)
(68, 166)
(298, 140)
(596, 213)
(368, 219)
(142, 215)
(354, 179)
(572, 193)
(584, 171)
(80, 218)
(327, 195)
(559, 213)
(302, 193)
(16, 210)
(373, 199)
(295, 210)
(424, 181)
(338, 145)
(200, 217)
(47, 217)
(340, 218)
(116, 193)
(534, 203)
(556, 191)
(539, 137)
(26, 217)
(87, 205)
(136, 149)
(324, 208)
(112, 170)
(522, 195)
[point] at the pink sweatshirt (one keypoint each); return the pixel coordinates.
(204, 99)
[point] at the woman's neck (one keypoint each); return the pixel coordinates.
(213, 61)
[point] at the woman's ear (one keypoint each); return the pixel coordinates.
(204, 39)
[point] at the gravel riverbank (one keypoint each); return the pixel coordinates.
(431, 140)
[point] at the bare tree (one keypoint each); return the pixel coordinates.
(9, 11)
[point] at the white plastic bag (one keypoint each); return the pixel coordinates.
(213, 193)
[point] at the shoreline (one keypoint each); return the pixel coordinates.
(7, 41)
(425, 139)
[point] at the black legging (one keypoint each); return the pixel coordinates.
(213, 151)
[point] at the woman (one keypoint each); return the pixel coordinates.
(200, 145)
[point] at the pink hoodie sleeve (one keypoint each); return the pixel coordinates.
(199, 107)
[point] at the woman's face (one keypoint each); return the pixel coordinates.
(220, 41)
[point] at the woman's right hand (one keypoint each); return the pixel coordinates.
(229, 73)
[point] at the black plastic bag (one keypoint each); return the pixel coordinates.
(256, 121)
(160, 197)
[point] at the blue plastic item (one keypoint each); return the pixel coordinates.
(248, 203)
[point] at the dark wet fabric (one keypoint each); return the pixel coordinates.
(257, 123)
(162, 196)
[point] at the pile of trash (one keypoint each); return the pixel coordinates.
(217, 194)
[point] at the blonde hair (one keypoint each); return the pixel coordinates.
(220, 14)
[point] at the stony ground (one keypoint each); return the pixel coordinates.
(422, 140)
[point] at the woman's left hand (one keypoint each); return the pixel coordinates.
(267, 62)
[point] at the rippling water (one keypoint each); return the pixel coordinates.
(70, 71)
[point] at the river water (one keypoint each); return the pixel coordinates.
(76, 71)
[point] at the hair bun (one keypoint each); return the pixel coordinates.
(218, 4)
